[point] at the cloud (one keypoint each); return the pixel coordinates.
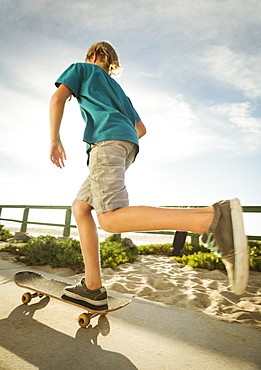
(174, 129)
(240, 115)
(237, 69)
(179, 129)
(240, 126)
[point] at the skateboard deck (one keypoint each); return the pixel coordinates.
(42, 286)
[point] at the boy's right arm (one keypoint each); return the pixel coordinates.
(58, 100)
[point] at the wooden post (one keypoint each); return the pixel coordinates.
(178, 242)
(195, 240)
(66, 230)
(25, 219)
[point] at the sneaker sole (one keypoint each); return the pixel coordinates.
(241, 271)
(80, 298)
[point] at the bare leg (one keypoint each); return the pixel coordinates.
(131, 219)
(144, 218)
(228, 218)
(89, 243)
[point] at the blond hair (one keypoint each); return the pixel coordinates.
(109, 59)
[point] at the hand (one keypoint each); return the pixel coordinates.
(57, 154)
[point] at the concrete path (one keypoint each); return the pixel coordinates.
(144, 335)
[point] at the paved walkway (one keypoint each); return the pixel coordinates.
(144, 335)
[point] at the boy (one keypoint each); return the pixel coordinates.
(112, 133)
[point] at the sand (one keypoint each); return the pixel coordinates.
(161, 279)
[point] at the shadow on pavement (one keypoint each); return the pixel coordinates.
(47, 348)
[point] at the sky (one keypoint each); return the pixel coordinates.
(192, 70)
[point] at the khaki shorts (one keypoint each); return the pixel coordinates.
(105, 189)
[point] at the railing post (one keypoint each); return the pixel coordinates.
(178, 242)
(25, 219)
(195, 240)
(66, 230)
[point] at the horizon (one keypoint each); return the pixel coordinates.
(251, 220)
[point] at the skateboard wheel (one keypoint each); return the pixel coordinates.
(26, 298)
(84, 320)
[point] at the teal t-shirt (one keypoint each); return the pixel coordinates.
(106, 110)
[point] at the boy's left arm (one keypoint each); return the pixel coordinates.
(58, 100)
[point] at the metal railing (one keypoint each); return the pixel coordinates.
(68, 215)
(25, 221)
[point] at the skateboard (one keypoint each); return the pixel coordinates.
(42, 286)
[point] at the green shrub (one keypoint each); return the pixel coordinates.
(114, 238)
(114, 253)
(255, 243)
(166, 249)
(47, 250)
(255, 255)
(4, 234)
(158, 249)
(189, 249)
(207, 261)
(201, 257)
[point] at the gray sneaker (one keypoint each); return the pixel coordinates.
(226, 237)
(79, 291)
